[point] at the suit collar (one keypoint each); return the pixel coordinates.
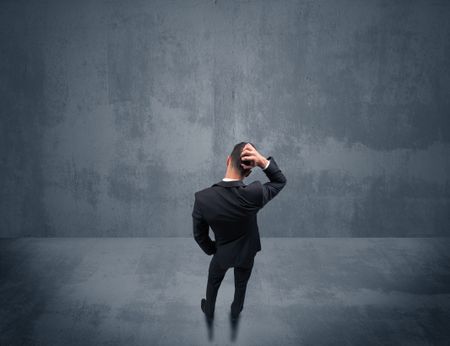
(230, 183)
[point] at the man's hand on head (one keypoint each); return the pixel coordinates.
(249, 153)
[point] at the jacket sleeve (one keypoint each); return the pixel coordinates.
(201, 231)
(276, 182)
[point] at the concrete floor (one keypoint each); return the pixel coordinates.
(147, 291)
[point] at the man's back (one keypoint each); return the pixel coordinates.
(230, 208)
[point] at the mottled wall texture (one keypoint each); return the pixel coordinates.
(114, 113)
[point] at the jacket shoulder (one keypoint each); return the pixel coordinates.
(201, 193)
(253, 192)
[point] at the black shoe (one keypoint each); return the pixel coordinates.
(203, 306)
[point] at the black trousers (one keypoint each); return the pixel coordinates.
(215, 277)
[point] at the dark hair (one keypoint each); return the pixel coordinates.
(236, 157)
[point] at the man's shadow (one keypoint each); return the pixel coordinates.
(209, 327)
(234, 324)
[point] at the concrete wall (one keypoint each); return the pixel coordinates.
(113, 113)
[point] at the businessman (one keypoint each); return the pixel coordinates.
(230, 208)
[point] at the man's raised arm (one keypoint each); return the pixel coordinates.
(276, 183)
(270, 168)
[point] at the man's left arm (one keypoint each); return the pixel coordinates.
(201, 231)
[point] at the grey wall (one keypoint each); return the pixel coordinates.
(114, 113)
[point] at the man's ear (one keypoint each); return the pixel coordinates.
(228, 160)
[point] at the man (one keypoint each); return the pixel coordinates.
(229, 207)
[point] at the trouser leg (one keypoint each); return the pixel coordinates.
(241, 277)
(215, 277)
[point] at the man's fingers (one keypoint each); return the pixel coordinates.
(247, 158)
(247, 152)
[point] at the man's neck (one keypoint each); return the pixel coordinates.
(232, 176)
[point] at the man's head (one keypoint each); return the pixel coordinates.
(234, 160)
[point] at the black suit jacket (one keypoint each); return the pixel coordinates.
(230, 209)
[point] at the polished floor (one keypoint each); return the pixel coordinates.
(147, 291)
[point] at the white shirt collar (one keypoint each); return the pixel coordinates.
(229, 179)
